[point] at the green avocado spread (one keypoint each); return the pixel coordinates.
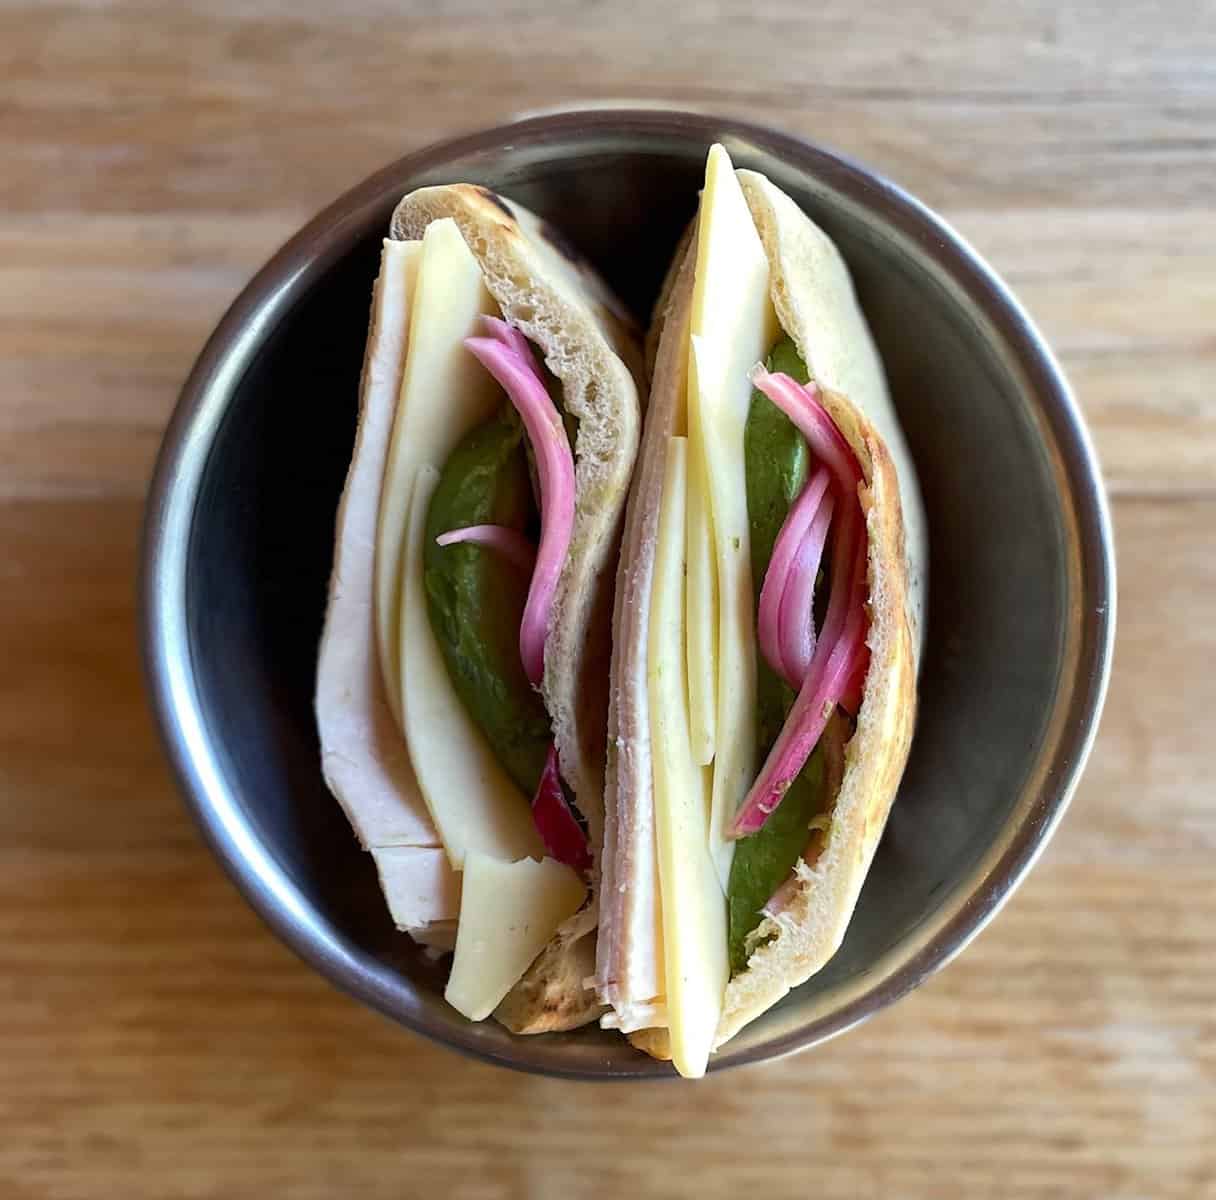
(475, 597)
(776, 460)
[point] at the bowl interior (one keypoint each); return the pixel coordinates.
(1005, 642)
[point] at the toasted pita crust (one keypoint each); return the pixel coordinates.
(552, 996)
(655, 1042)
(816, 306)
(665, 301)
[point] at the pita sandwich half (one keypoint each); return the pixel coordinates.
(462, 677)
(767, 631)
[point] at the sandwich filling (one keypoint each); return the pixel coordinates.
(796, 545)
(489, 588)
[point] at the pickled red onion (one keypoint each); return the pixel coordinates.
(508, 357)
(508, 542)
(510, 337)
(834, 664)
(797, 624)
(797, 522)
(802, 406)
(560, 832)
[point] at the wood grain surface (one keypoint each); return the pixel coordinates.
(155, 1040)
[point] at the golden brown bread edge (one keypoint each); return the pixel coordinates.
(815, 305)
(546, 290)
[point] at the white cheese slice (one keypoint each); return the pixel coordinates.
(472, 800)
(509, 911)
(445, 392)
(733, 326)
(692, 900)
(702, 604)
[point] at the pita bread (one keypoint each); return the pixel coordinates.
(589, 344)
(815, 303)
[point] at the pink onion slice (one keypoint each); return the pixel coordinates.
(794, 528)
(826, 442)
(802, 406)
(841, 642)
(510, 543)
(507, 356)
(559, 830)
(797, 620)
(510, 337)
(826, 681)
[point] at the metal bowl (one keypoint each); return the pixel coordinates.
(239, 538)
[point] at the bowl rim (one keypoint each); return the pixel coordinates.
(971, 902)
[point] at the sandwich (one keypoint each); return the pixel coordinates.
(766, 631)
(461, 694)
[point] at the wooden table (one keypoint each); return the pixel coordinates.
(155, 1040)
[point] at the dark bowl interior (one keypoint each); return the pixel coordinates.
(240, 543)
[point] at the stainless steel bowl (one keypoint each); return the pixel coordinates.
(239, 537)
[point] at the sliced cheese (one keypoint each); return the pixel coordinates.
(509, 911)
(472, 800)
(733, 326)
(445, 392)
(691, 897)
(702, 607)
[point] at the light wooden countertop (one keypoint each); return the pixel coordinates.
(155, 1040)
